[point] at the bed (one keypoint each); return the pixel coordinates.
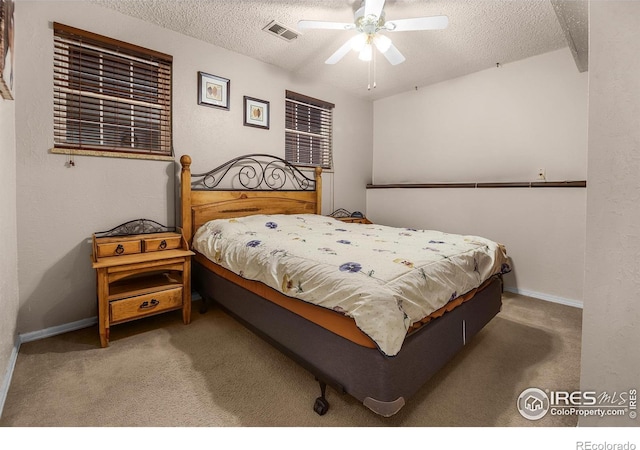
(374, 327)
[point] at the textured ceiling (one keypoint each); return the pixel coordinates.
(481, 33)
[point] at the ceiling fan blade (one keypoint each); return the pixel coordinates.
(341, 52)
(393, 55)
(373, 7)
(321, 25)
(418, 24)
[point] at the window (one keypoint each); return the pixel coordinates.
(308, 131)
(110, 96)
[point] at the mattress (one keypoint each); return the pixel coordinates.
(386, 279)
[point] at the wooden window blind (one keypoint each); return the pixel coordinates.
(109, 95)
(308, 131)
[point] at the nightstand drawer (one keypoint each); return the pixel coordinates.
(162, 243)
(143, 305)
(118, 248)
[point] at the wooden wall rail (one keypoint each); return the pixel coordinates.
(523, 184)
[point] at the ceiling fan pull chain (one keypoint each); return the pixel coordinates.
(372, 72)
(374, 69)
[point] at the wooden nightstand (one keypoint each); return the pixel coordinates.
(354, 219)
(345, 216)
(140, 275)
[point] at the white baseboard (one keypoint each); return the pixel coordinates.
(41, 334)
(53, 331)
(34, 336)
(6, 381)
(65, 328)
(546, 297)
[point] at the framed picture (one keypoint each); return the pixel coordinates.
(213, 91)
(7, 49)
(256, 113)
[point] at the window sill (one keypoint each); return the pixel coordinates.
(106, 154)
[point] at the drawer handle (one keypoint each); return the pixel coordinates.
(119, 249)
(148, 305)
(162, 245)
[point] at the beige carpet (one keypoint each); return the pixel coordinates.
(215, 373)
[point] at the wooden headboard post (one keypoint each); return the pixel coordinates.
(185, 197)
(318, 173)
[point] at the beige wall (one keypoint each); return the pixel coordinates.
(8, 246)
(59, 207)
(611, 320)
(500, 124)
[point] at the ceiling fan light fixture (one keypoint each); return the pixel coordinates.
(366, 53)
(358, 42)
(382, 43)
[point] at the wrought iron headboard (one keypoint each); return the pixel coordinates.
(258, 171)
(249, 184)
(137, 226)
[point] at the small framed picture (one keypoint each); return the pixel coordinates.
(256, 113)
(7, 49)
(213, 91)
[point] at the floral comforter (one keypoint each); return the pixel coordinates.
(384, 278)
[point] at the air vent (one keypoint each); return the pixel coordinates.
(281, 31)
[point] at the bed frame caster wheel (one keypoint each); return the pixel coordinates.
(321, 406)
(204, 307)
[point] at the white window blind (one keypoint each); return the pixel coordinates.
(308, 131)
(110, 95)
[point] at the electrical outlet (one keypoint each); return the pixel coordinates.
(542, 175)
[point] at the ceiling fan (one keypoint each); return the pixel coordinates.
(369, 21)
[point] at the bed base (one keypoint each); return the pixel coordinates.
(269, 185)
(348, 367)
